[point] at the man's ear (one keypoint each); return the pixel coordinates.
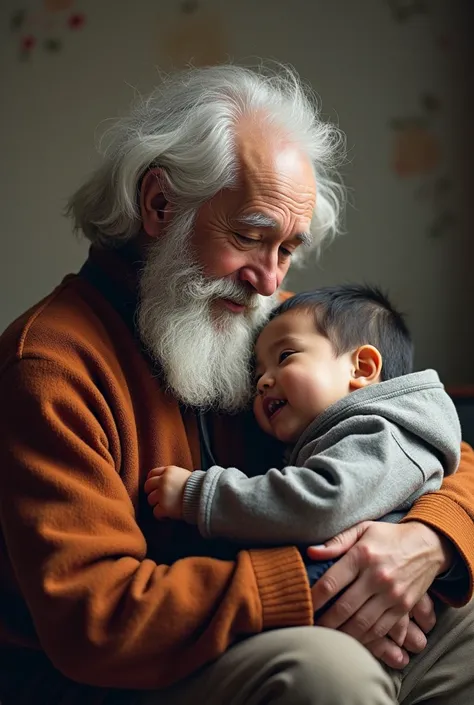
(155, 209)
(367, 366)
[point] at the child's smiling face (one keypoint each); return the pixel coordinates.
(298, 375)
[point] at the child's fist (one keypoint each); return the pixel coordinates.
(165, 488)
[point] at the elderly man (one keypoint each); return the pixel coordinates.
(208, 191)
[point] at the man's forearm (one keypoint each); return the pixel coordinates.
(449, 514)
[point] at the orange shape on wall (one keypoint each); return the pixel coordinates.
(197, 36)
(57, 5)
(416, 150)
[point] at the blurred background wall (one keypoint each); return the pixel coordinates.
(392, 73)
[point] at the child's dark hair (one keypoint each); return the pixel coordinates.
(350, 315)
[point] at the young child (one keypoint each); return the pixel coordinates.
(368, 436)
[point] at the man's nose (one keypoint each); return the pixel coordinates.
(263, 278)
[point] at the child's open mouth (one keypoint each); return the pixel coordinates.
(272, 407)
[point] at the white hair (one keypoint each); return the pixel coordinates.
(187, 127)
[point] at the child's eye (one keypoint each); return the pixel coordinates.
(284, 355)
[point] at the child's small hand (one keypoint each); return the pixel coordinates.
(165, 487)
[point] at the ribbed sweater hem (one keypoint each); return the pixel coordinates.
(283, 587)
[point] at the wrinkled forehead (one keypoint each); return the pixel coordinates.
(275, 173)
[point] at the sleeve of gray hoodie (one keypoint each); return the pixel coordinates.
(365, 467)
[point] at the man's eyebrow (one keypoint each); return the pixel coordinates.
(258, 220)
(306, 238)
(262, 220)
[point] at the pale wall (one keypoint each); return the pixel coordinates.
(367, 69)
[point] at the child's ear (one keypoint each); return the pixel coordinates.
(367, 366)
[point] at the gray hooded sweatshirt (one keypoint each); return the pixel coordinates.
(368, 456)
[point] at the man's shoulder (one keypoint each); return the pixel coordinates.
(66, 325)
(284, 295)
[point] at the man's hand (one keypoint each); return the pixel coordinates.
(165, 487)
(385, 572)
(406, 637)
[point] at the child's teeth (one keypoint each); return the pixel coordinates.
(274, 405)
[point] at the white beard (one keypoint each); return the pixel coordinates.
(205, 360)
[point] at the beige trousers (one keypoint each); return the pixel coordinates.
(316, 666)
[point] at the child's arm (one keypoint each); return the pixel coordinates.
(365, 474)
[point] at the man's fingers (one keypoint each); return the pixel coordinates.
(338, 545)
(373, 621)
(398, 632)
(415, 640)
(338, 577)
(390, 653)
(424, 613)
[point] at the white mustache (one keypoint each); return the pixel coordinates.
(225, 289)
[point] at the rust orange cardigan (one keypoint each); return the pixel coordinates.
(91, 590)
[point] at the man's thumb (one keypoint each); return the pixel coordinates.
(338, 545)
